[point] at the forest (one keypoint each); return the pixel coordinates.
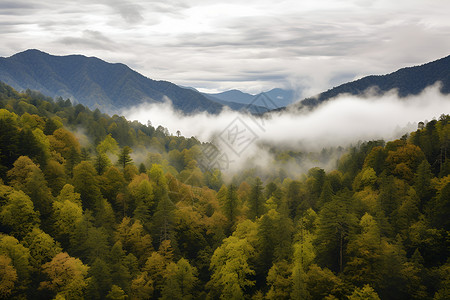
(94, 206)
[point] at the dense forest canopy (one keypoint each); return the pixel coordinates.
(95, 207)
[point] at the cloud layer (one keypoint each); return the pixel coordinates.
(339, 122)
(252, 45)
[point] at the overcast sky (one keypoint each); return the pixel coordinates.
(252, 45)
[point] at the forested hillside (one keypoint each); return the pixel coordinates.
(98, 207)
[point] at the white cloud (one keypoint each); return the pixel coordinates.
(339, 122)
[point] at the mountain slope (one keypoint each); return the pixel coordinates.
(95, 83)
(408, 81)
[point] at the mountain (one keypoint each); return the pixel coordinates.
(279, 97)
(408, 81)
(235, 96)
(95, 83)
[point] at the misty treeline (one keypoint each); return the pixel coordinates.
(81, 219)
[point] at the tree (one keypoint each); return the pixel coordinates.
(108, 146)
(8, 140)
(364, 251)
(142, 168)
(279, 281)
(422, 182)
(102, 162)
(18, 214)
(156, 266)
(116, 293)
(20, 258)
(141, 191)
(335, 223)
(322, 283)
(134, 239)
(163, 219)
(86, 183)
(141, 286)
(124, 157)
(230, 267)
(68, 193)
(256, 200)
(67, 276)
(123, 267)
(100, 280)
(303, 257)
(8, 277)
(27, 176)
(111, 183)
(179, 280)
(42, 247)
(364, 293)
(230, 206)
(55, 176)
(267, 241)
(159, 181)
(439, 210)
(67, 214)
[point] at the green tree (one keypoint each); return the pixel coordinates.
(66, 214)
(279, 281)
(102, 162)
(67, 276)
(159, 181)
(27, 176)
(86, 183)
(8, 277)
(364, 252)
(55, 176)
(364, 293)
(18, 214)
(230, 206)
(163, 220)
(42, 247)
(303, 256)
(134, 239)
(256, 200)
(20, 258)
(231, 269)
(124, 157)
(116, 293)
(439, 210)
(141, 286)
(335, 224)
(108, 146)
(111, 183)
(100, 280)
(179, 280)
(422, 182)
(322, 283)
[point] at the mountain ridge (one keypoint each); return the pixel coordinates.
(408, 81)
(95, 82)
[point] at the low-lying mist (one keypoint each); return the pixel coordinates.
(339, 122)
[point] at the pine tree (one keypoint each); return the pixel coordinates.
(256, 200)
(124, 157)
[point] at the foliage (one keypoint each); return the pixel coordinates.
(73, 225)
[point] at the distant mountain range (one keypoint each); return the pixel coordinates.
(279, 97)
(95, 83)
(112, 87)
(407, 81)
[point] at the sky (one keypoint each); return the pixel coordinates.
(251, 45)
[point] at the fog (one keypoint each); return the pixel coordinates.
(339, 122)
